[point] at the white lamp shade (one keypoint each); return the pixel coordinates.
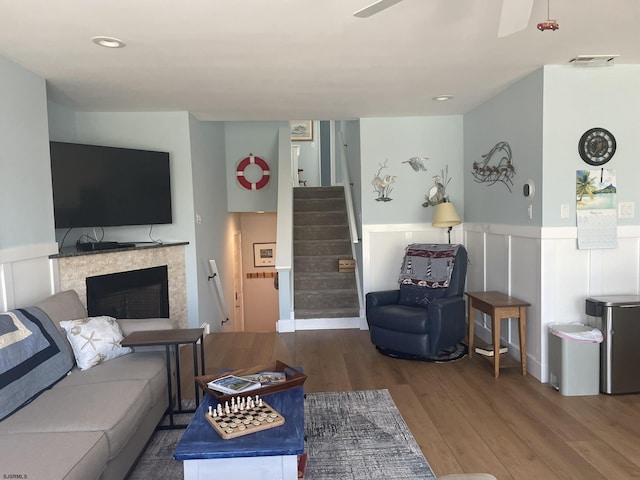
(445, 215)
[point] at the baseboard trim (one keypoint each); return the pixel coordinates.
(284, 326)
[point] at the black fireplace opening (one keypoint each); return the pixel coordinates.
(140, 293)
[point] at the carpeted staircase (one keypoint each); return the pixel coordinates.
(320, 239)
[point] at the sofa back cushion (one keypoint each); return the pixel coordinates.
(33, 356)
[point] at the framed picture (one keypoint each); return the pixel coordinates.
(301, 130)
(264, 254)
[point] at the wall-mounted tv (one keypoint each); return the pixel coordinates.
(96, 186)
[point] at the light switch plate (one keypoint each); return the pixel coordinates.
(626, 210)
(564, 211)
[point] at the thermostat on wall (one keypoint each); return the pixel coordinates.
(529, 189)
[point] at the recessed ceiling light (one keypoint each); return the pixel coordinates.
(109, 42)
(443, 98)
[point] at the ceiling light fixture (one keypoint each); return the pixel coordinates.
(109, 42)
(442, 98)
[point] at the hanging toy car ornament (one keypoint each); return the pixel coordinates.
(548, 24)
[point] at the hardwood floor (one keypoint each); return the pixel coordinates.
(463, 419)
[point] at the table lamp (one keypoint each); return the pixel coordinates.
(446, 215)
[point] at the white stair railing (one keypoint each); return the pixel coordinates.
(351, 216)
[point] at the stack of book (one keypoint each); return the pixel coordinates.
(231, 384)
(487, 350)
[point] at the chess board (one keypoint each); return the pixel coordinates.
(236, 422)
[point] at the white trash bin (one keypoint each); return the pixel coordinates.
(574, 359)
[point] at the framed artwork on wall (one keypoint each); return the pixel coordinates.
(264, 254)
(301, 130)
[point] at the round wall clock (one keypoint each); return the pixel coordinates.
(597, 146)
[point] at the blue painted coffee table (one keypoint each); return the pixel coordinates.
(266, 455)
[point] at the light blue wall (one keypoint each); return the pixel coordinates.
(577, 99)
(167, 132)
(309, 159)
(513, 116)
(26, 207)
(259, 139)
(214, 234)
(395, 140)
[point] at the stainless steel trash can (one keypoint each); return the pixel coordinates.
(618, 318)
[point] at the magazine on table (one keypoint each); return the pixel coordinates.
(487, 350)
(267, 378)
(232, 384)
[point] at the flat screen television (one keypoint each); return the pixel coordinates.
(96, 186)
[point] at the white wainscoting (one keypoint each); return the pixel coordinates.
(26, 275)
(383, 250)
(540, 265)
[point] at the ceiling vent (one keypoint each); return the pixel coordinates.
(593, 60)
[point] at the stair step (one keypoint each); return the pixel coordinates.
(326, 313)
(323, 280)
(318, 204)
(325, 232)
(337, 298)
(309, 248)
(318, 192)
(320, 218)
(324, 263)
(321, 239)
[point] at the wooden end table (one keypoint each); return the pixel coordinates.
(168, 338)
(498, 306)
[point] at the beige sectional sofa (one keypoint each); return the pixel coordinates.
(92, 424)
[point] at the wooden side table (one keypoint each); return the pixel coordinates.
(498, 306)
(168, 338)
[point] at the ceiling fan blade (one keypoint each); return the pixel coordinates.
(514, 16)
(375, 7)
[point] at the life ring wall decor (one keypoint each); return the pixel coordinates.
(253, 160)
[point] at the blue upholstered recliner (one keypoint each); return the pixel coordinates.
(418, 321)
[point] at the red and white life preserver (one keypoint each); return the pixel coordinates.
(244, 163)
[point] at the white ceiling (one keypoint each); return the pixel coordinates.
(298, 59)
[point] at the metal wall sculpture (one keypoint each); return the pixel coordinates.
(438, 193)
(496, 166)
(382, 184)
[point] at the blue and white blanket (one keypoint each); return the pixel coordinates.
(428, 265)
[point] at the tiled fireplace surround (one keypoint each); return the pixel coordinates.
(75, 268)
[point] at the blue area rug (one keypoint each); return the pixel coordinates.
(349, 436)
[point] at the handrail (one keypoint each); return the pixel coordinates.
(351, 217)
(346, 180)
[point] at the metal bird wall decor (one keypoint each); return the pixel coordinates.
(438, 193)
(496, 166)
(417, 163)
(382, 184)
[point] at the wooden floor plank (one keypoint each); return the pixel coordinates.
(463, 419)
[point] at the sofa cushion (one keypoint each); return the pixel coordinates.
(115, 408)
(146, 366)
(65, 305)
(33, 356)
(94, 340)
(68, 456)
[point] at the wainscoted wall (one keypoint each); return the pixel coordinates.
(383, 246)
(26, 275)
(507, 259)
(540, 265)
(545, 268)
(74, 270)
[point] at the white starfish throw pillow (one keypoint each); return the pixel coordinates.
(94, 340)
